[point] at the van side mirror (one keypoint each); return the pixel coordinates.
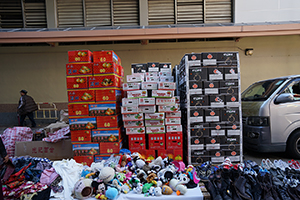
(283, 98)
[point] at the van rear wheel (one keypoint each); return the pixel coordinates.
(293, 144)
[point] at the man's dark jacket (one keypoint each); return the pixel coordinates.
(28, 105)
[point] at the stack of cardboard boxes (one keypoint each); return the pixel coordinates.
(209, 85)
(94, 83)
(151, 112)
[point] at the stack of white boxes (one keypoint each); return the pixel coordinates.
(151, 112)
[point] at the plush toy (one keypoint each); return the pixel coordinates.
(152, 191)
(146, 187)
(138, 189)
(134, 181)
(158, 191)
(179, 165)
(101, 196)
(151, 177)
(166, 190)
(120, 176)
(107, 174)
(176, 186)
(157, 161)
(183, 178)
(98, 187)
(125, 188)
(111, 193)
(141, 175)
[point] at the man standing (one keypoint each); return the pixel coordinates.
(26, 108)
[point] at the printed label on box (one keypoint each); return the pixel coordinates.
(151, 73)
(135, 130)
(218, 132)
(233, 132)
(103, 109)
(106, 135)
(166, 86)
(146, 102)
(196, 119)
(169, 108)
(164, 101)
(154, 122)
(173, 121)
(137, 94)
(130, 109)
(83, 149)
(152, 78)
(165, 73)
(131, 86)
(147, 109)
(133, 117)
(138, 77)
(84, 123)
(149, 86)
(174, 128)
(166, 79)
(128, 124)
(155, 129)
(162, 93)
(212, 146)
(130, 102)
(173, 114)
(154, 116)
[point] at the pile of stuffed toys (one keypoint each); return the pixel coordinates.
(125, 173)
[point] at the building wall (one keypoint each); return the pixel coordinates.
(266, 11)
(41, 70)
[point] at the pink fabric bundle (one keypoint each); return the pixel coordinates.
(15, 134)
(48, 176)
(58, 135)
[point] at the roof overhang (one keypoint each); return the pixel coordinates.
(147, 33)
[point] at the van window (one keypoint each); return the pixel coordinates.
(294, 88)
(261, 91)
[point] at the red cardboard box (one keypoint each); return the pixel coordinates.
(156, 141)
(77, 69)
(82, 123)
(76, 96)
(81, 136)
(81, 109)
(85, 148)
(108, 95)
(175, 154)
(106, 56)
(77, 82)
(149, 155)
(174, 140)
(110, 147)
(80, 56)
(85, 160)
(105, 81)
(136, 142)
(113, 121)
(106, 135)
(104, 109)
(106, 68)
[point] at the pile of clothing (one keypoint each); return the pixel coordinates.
(249, 180)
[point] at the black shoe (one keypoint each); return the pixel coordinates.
(213, 190)
(282, 192)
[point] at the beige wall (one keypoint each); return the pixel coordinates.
(41, 70)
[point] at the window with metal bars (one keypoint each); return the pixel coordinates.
(23, 14)
(94, 13)
(189, 11)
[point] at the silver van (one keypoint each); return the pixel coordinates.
(271, 115)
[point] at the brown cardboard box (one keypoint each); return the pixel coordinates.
(53, 151)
